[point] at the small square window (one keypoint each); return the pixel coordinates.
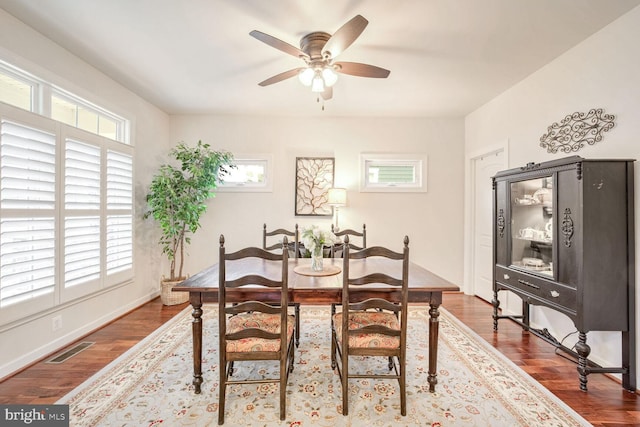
(393, 172)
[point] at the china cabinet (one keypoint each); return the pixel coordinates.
(564, 239)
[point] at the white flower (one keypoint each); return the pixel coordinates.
(313, 237)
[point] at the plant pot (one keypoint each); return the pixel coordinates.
(167, 296)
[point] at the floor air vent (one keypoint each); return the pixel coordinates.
(71, 352)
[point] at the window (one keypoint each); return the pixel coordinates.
(393, 172)
(78, 113)
(66, 213)
(22, 90)
(253, 173)
(16, 90)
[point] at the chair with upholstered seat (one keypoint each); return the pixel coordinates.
(372, 325)
(294, 252)
(336, 250)
(252, 328)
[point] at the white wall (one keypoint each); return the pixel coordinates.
(432, 220)
(27, 49)
(601, 72)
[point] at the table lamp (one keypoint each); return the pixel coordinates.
(337, 197)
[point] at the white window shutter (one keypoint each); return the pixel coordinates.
(27, 185)
(119, 212)
(82, 217)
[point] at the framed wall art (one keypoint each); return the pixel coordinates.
(314, 178)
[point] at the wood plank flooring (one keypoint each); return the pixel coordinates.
(605, 404)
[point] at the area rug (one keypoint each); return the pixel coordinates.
(150, 385)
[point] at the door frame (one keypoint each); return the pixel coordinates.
(470, 214)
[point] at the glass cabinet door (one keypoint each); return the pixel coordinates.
(532, 225)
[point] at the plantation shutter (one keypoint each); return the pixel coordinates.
(27, 206)
(119, 212)
(82, 213)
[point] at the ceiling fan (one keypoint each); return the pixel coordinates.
(319, 50)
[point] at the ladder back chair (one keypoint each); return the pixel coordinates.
(336, 250)
(372, 326)
(294, 252)
(254, 329)
(293, 238)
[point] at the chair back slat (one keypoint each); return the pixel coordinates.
(252, 333)
(377, 303)
(254, 252)
(375, 251)
(375, 329)
(253, 279)
(376, 278)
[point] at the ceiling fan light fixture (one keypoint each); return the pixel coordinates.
(329, 76)
(318, 84)
(306, 76)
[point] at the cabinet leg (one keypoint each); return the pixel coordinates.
(583, 350)
(496, 305)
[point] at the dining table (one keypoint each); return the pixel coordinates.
(306, 288)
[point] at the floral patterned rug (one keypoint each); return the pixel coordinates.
(150, 385)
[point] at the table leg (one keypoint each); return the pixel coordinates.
(434, 313)
(196, 328)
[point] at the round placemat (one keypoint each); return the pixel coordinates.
(328, 270)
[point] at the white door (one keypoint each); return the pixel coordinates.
(485, 167)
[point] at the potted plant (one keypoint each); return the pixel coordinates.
(176, 200)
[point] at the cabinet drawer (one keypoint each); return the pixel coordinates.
(546, 291)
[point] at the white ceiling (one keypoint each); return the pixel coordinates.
(447, 57)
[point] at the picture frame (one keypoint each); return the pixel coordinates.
(314, 178)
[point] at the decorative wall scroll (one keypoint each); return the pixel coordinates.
(575, 129)
(314, 177)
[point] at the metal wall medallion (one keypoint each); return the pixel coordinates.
(575, 130)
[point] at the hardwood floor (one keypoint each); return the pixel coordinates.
(605, 404)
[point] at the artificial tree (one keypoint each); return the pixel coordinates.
(177, 197)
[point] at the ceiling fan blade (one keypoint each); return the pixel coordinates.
(361, 70)
(280, 77)
(344, 37)
(328, 93)
(278, 44)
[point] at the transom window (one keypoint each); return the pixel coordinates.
(22, 90)
(393, 172)
(253, 173)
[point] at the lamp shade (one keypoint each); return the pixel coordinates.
(337, 197)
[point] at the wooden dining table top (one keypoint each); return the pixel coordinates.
(421, 280)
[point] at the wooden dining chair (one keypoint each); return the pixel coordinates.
(372, 325)
(336, 250)
(252, 328)
(293, 238)
(294, 252)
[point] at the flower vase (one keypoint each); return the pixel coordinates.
(316, 258)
